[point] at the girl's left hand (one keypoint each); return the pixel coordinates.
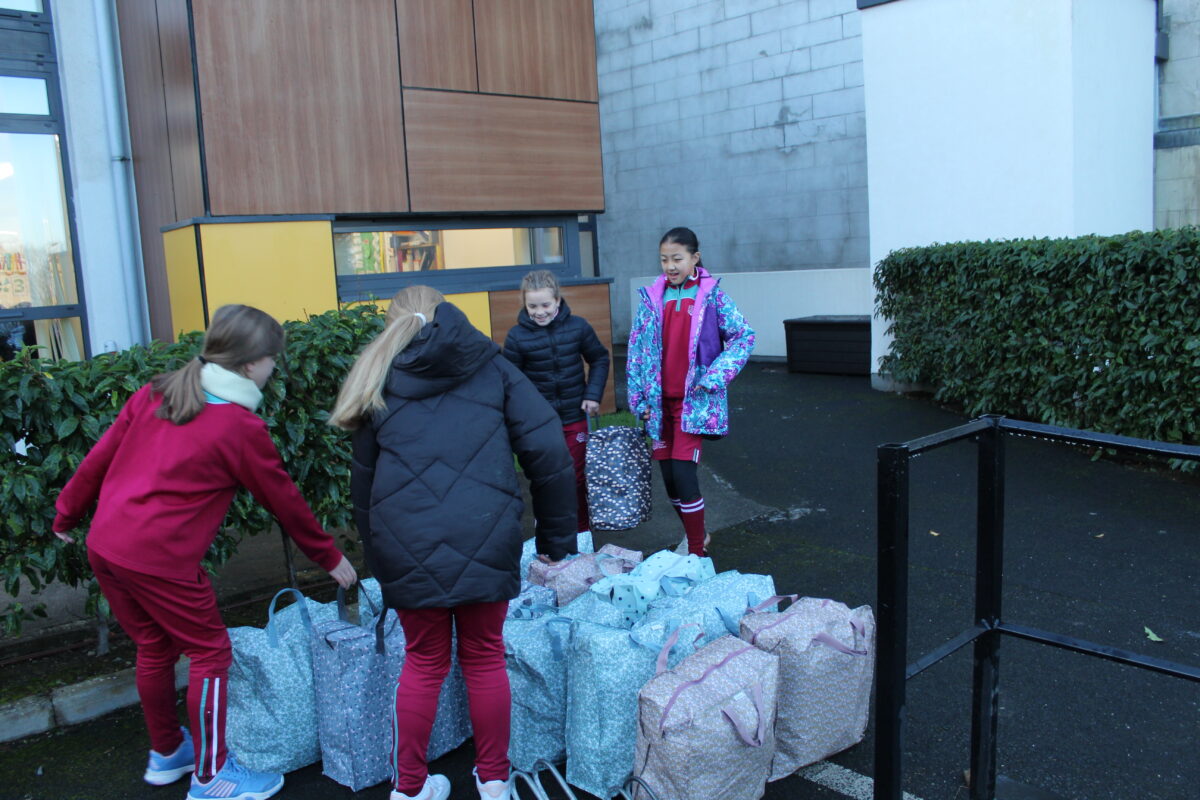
(66, 537)
(590, 407)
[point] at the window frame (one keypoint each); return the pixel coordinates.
(45, 66)
(360, 288)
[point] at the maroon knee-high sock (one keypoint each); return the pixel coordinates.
(692, 514)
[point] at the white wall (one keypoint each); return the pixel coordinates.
(766, 299)
(1010, 118)
(97, 139)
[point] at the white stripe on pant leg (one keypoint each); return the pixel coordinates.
(395, 738)
(216, 726)
(844, 781)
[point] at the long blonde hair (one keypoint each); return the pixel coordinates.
(237, 335)
(362, 393)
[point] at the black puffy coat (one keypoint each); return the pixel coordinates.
(550, 356)
(435, 490)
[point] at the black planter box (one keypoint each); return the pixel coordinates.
(835, 345)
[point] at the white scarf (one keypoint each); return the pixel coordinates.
(230, 386)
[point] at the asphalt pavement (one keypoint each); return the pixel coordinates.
(1094, 549)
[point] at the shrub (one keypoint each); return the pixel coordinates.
(1099, 333)
(52, 412)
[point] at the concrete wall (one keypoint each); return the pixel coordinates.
(1011, 118)
(741, 119)
(101, 178)
(1177, 156)
(766, 299)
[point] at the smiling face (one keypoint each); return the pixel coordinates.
(541, 305)
(677, 263)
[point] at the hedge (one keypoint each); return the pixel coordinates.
(1097, 332)
(52, 412)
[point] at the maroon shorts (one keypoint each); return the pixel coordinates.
(675, 444)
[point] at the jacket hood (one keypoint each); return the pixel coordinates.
(526, 321)
(447, 351)
(655, 291)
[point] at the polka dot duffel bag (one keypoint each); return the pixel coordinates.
(618, 478)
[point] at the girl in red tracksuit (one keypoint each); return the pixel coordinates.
(161, 479)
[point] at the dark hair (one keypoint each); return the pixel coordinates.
(685, 237)
(237, 335)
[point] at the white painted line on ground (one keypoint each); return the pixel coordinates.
(843, 781)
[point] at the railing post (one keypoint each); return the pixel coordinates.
(989, 590)
(892, 627)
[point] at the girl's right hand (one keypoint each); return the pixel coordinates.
(646, 415)
(344, 573)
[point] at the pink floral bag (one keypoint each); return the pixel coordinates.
(574, 576)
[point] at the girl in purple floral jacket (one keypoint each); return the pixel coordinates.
(687, 344)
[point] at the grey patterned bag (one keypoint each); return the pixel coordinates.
(272, 715)
(705, 728)
(355, 668)
(537, 675)
(827, 660)
(617, 471)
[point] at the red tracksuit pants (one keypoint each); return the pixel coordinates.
(576, 436)
(427, 632)
(166, 617)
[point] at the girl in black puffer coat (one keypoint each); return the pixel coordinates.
(550, 345)
(437, 414)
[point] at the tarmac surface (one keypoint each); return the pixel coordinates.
(1094, 549)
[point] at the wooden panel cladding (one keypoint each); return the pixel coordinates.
(179, 90)
(300, 101)
(537, 48)
(590, 302)
(437, 44)
(138, 28)
(474, 152)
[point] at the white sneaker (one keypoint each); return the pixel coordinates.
(437, 787)
(494, 790)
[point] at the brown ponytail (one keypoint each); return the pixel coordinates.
(237, 335)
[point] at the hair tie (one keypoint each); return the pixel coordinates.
(422, 316)
(202, 359)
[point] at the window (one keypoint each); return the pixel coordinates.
(40, 302)
(376, 260)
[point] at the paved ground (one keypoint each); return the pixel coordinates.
(1095, 549)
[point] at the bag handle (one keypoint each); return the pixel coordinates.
(381, 615)
(729, 711)
(752, 603)
(662, 722)
(660, 663)
(272, 634)
(829, 641)
(674, 585)
(556, 642)
(528, 610)
(770, 601)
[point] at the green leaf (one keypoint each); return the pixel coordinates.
(1152, 636)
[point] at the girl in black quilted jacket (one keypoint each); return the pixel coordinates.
(551, 345)
(437, 414)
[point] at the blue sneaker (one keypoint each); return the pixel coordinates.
(235, 782)
(167, 769)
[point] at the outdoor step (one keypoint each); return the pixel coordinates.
(26, 717)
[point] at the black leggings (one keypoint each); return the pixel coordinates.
(681, 479)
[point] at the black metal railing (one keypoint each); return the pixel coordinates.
(989, 434)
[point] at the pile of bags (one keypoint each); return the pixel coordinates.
(691, 681)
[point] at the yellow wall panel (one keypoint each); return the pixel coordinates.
(284, 268)
(183, 280)
(477, 308)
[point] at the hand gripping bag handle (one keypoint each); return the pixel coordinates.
(301, 602)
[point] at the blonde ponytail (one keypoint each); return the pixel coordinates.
(362, 393)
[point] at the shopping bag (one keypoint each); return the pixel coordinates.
(715, 604)
(662, 573)
(357, 667)
(271, 716)
(534, 653)
(827, 660)
(706, 727)
(617, 472)
(606, 667)
(531, 595)
(583, 543)
(573, 576)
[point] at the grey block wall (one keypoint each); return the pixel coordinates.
(741, 119)
(1177, 155)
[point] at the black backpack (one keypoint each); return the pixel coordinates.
(618, 478)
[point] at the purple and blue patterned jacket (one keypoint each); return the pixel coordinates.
(718, 346)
